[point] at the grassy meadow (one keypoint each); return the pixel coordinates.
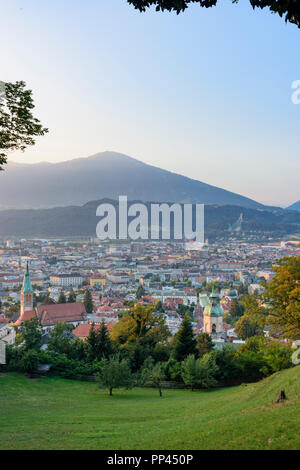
(56, 413)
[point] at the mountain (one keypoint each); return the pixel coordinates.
(104, 175)
(77, 221)
(295, 206)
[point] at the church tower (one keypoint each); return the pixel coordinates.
(26, 293)
(213, 316)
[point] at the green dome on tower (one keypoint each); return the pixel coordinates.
(214, 308)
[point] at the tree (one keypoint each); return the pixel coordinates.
(255, 309)
(185, 342)
(288, 8)
(62, 298)
(142, 325)
(71, 297)
(92, 343)
(204, 344)
(104, 344)
(30, 334)
(199, 372)
(154, 377)
(115, 374)
(88, 301)
(159, 306)
(13, 310)
(140, 292)
(189, 371)
(246, 327)
(18, 126)
(236, 310)
(61, 338)
(283, 297)
(29, 360)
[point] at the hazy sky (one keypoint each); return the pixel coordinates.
(206, 94)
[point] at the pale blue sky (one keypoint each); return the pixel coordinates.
(206, 94)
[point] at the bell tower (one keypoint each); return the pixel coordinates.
(26, 292)
(213, 316)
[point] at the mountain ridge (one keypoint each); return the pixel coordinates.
(76, 221)
(106, 174)
(294, 207)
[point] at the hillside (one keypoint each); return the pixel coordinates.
(75, 221)
(295, 206)
(55, 413)
(104, 175)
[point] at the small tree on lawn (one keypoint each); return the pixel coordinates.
(115, 374)
(154, 377)
(200, 372)
(189, 371)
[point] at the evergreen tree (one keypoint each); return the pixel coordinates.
(62, 298)
(92, 343)
(104, 347)
(88, 301)
(204, 344)
(71, 297)
(185, 342)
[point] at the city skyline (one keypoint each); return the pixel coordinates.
(206, 94)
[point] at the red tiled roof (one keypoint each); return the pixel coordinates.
(83, 330)
(54, 313)
(26, 316)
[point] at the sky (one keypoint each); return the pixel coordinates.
(206, 93)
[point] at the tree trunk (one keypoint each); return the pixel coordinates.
(281, 396)
(110, 392)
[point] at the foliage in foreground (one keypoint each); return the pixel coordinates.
(18, 126)
(288, 8)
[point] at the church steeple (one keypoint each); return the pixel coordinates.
(26, 292)
(27, 287)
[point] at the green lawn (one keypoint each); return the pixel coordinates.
(54, 413)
